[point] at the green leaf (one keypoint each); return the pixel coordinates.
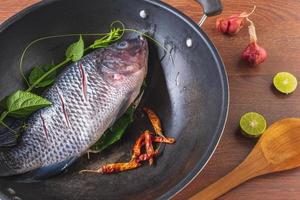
(115, 133)
(38, 72)
(112, 36)
(75, 51)
(22, 104)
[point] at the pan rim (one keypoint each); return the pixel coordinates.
(222, 72)
(226, 100)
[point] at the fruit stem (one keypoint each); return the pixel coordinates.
(244, 14)
(252, 31)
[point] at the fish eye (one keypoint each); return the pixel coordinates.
(122, 45)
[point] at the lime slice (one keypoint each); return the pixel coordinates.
(253, 124)
(285, 82)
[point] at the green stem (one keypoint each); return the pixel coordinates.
(51, 37)
(147, 36)
(3, 115)
(45, 38)
(88, 48)
(61, 64)
(108, 38)
(6, 126)
(49, 72)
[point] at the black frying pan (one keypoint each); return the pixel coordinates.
(190, 96)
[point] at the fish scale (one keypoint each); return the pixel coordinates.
(75, 121)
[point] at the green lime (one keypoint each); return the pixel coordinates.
(253, 124)
(285, 82)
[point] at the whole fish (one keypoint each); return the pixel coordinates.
(87, 97)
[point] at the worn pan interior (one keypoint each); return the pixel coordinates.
(190, 95)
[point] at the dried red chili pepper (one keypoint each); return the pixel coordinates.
(119, 167)
(155, 121)
(149, 146)
(163, 140)
(146, 139)
(253, 53)
(115, 167)
(136, 150)
(233, 24)
(145, 156)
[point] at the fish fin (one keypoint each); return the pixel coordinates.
(48, 171)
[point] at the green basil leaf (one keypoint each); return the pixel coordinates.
(22, 104)
(38, 72)
(75, 51)
(115, 133)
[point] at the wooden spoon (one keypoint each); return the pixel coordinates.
(278, 149)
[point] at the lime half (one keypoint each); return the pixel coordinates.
(285, 82)
(253, 124)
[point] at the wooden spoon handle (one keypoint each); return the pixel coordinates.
(253, 166)
(223, 185)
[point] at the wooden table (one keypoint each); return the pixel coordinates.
(278, 29)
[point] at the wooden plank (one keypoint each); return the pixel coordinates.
(278, 29)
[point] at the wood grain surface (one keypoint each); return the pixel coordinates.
(278, 28)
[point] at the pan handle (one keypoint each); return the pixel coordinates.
(211, 7)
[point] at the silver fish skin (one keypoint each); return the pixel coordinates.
(87, 98)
